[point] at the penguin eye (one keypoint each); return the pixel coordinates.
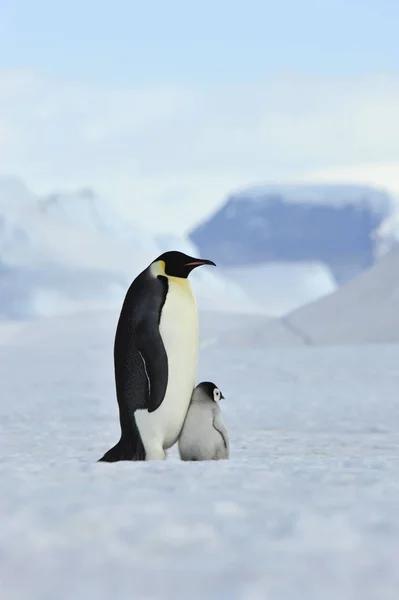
(216, 394)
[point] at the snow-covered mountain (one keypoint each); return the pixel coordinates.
(86, 210)
(72, 251)
(365, 310)
(282, 287)
(333, 224)
(387, 235)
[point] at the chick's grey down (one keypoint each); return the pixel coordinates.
(204, 435)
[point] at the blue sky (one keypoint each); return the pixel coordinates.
(199, 42)
(176, 103)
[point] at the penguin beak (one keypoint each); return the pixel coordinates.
(222, 397)
(198, 262)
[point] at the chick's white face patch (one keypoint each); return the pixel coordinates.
(216, 395)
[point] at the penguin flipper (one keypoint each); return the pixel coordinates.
(155, 363)
(141, 362)
(142, 374)
(220, 427)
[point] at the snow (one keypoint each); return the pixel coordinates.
(71, 231)
(363, 311)
(332, 194)
(280, 287)
(86, 210)
(387, 235)
(305, 509)
(71, 251)
(13, 193)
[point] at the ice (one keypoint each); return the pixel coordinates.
(387, 235)
(335, 225)
(305, 509)
(322, 193)
(71, 251)
(363, 311)
(280, 287)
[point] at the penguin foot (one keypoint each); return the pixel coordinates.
(124, 450)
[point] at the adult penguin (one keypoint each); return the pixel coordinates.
(155, 358)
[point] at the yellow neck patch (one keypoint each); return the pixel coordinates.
(158, 268)
(181, 281)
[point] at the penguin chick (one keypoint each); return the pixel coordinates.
(204, 435)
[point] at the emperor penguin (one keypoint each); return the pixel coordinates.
(155, 358)
(204, 435)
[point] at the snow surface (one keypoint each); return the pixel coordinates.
(305, 509)
(283, 286)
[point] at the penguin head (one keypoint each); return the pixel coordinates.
(178, 264)
(211, 390)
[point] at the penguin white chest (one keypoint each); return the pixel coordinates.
(179, 331)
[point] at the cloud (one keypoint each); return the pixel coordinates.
(384, 175)
(168, 154)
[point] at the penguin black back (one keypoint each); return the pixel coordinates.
(140, 361)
